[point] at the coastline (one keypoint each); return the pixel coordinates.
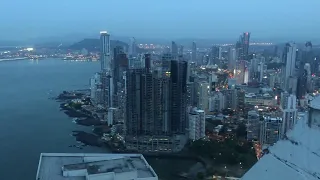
(77, 105)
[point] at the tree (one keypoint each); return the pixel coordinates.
(241, 130)
(200, 175)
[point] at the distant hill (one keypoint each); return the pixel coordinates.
(94, 44)
(11, 43)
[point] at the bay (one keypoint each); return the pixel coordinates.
(30, 122)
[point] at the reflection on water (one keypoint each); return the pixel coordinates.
(30, 122)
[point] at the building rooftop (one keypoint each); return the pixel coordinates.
(296, 157)
(269, 118)
(63, 166)
(315, 103)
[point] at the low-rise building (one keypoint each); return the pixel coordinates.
(79, 166)
(260, 99)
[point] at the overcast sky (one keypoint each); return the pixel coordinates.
(160, 18)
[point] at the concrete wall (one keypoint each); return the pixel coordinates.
(102, 176)
(126, 175)
(71, 173)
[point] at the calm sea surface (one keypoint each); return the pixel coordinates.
(30, 122)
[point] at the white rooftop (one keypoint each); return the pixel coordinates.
(295, 158)
(78, 166)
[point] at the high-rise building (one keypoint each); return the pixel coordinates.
(308, 65)
(261, 69)
(190, 94)
(196, 124)
(253, 126)
(213, 82)
(132, 48)
(111, 116)
(232, 59)
(116, 74)
(241, 100)
(177, 98)
(94, 86)
(106, 72)
(230, 96)
(308, 56)
(257, 69)
(272, 80)
(105, 51)
(194, 53)
(288, 107)
(232, 82)
(241, 71)
(296, 156)
(180, 50)
(243, 46)
(289, 61)
(216, 102)
(215, 55)
(156, 104)
(202, 91)
(139, 110)
(174, 50)
(270, 130)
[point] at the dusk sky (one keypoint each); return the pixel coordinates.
(160, 18)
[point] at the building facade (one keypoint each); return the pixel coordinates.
(289, 110)
(196, 124)
(270, 130)
(289, 62)
(156, 104)
(253, 126)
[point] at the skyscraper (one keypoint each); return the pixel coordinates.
(241, 71)
(178, 96)
(139, 112)
(194, 53)
(307, 67)
(232, 59)
(289, 109)
(132, 52)
(202, 91)
(167, 85)
(243, 46)
(181, 50)
(105, 51)
(253, 126)
(106, 73)
(215, 55)
(289, 61)
(230, 98)
(216, 102)
(116, 66)
(156, 104)
(196, 124)
(174, 50)
(270, 130)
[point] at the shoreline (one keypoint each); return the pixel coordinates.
(101, 136)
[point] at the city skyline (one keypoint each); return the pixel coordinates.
(202, 89)
(62, 18)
